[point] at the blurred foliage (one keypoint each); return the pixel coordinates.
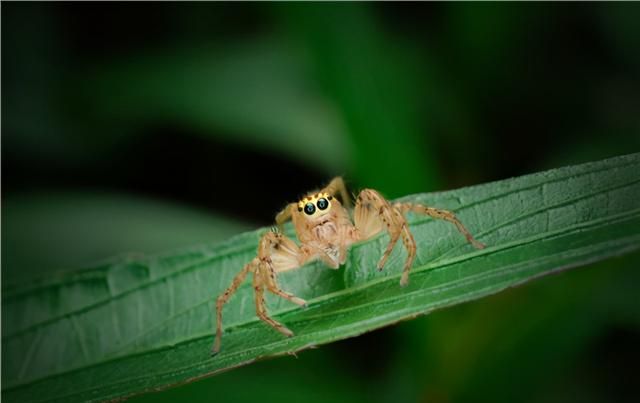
(240, 91)
(370, 78)
(236, 109)
(69, 229)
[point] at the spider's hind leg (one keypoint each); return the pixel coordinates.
(276, 253)
(261, 307)
(224, 297)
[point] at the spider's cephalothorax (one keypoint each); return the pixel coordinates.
(325, 230)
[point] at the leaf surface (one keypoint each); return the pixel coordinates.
(145, 324)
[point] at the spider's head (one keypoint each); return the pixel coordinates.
(315, 205)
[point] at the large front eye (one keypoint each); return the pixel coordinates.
(322, 203)
(309, 208)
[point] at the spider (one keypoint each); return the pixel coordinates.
(325, 230)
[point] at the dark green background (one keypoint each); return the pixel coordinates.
(138, 128)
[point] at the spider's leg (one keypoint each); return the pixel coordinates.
(337, 186)
(277, 253)
(224, 297)
(285, 215)
(440, 214)
(261, 308)
(280, 251)
(371, 213)
(410, 245)
(269, 273)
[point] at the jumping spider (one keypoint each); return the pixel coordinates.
(325, 231)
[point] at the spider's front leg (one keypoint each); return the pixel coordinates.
(442, 215)
(337, 187)
(373, 211)
(276, 253)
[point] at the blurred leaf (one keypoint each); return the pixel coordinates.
(376, 81)
(618, 23)
(290, 379)
(32, 84)
(74, 229)
(254, 93)
(145, 324)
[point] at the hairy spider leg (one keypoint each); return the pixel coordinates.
(337, 186)
(410, 245)
(442, 215)
(446, 215)
(371, 213)
(276, 253)
(268, 273)
(285, 215)
(224, 297)
(261, 308)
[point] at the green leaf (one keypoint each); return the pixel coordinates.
(145, 324)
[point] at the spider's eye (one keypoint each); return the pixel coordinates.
(309, 208)
(322, 203)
